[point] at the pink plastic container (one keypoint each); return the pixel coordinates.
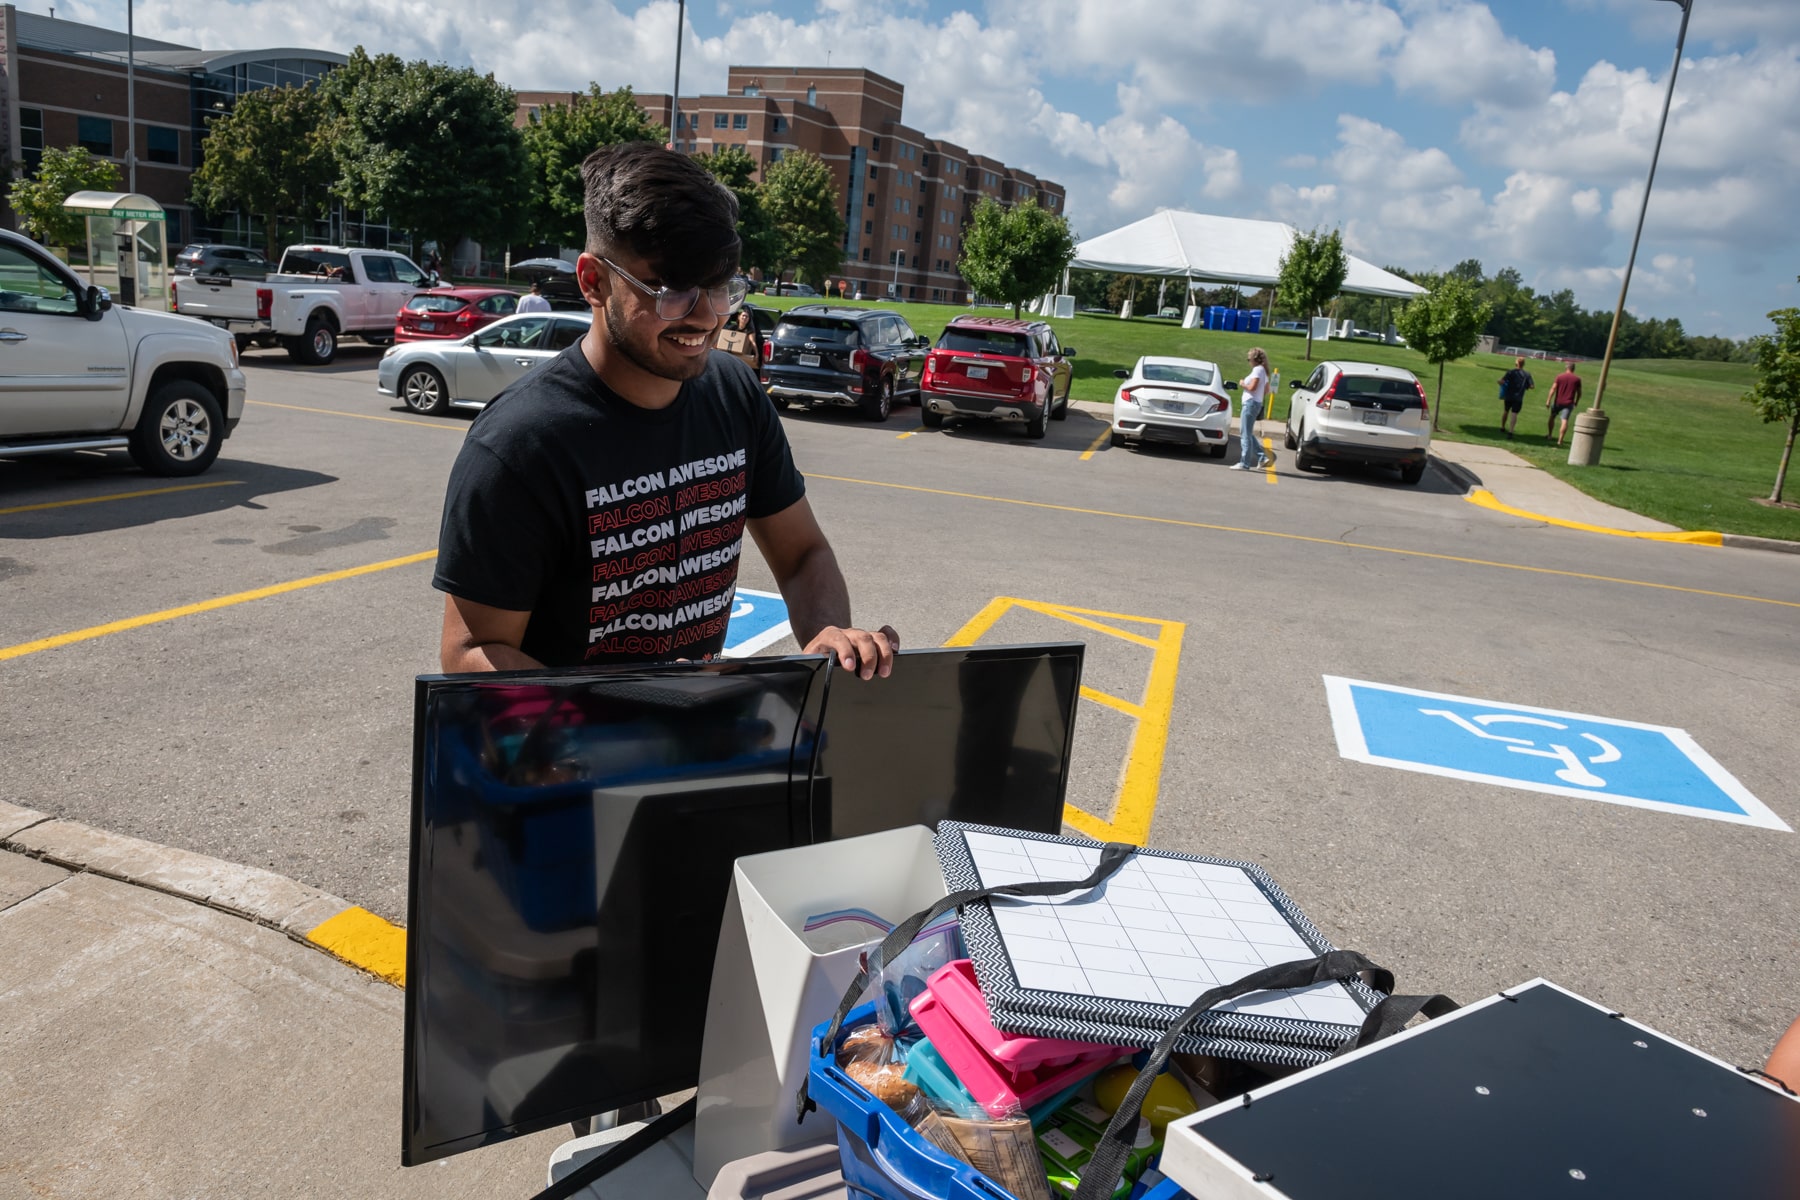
(1003, 1071)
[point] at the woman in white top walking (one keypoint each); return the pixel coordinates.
(1254, 388)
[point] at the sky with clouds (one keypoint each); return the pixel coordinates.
(1517, 132)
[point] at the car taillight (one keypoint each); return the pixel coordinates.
(1128, 395)
(768, 352)
(859, 359)
(466, 316)
(1325, 400)
(1424, 404)
(265, 303)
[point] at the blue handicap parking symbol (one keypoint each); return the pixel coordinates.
(1539, 749)
(758, 619)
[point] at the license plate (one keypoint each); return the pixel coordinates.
(427, 326)
(1177, 407)
(977, 372)
(809, 360)
(1375, 418)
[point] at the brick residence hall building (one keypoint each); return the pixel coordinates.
(906, 195)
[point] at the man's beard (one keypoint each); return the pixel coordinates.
(643, 355)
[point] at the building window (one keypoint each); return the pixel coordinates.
(95, 135)
(780, 125)
(721, 120)
(871, 170)
(750, 89)
(531, 113)
(165, 145)
(31, 136)
(875, 146)
(812, 94)
(869, 228)
(740, 120)
(777, 154)
(865, 254)
(871, 199)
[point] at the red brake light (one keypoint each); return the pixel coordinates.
(768, 351)
(1325, 400)
(466, 316)
(1128, 395)
(1424, 404)
(859, 359)
(265, 303)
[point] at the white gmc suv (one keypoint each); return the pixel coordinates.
(80, 373)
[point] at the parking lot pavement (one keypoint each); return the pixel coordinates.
(274, 730)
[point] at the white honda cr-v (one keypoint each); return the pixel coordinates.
(1359, 412)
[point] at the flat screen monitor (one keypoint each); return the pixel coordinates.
(574, 832)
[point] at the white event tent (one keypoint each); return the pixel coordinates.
(1203, 248)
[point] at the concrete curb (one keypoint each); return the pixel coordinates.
(1744, 541)
(306, 914)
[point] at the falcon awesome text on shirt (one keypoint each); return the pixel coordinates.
(617, 528)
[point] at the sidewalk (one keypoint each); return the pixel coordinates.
(157, 1045)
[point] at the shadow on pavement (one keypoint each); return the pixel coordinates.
(231, 483)
(351, 358)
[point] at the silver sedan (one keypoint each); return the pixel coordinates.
(434, 377)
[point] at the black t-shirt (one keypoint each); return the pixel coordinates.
(617, 527)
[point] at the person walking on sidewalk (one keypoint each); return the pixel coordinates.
(1565, 394)
(1254, 388)
(1513, 386)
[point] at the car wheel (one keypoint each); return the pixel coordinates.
(1217, 451)
(243, 340)
(318, 345)
(931, 420)
(423, 391)
(1061, 413)
(781, 402)
(1413, 473)
(180, 430)
(1291, 441)
(1035, 426)
(1304, 461)
(1118, 439)
(877, 407)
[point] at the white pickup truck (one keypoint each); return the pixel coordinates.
(319, 294)
(79, 373)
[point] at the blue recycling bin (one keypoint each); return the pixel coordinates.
(1215, 317)
(1255, 318)
(1234, 319)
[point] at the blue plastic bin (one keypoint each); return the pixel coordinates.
(881, 1155)
(1234, 319)
(1255, 316)
(1215, 316)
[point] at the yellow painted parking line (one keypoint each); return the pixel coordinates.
(1141, 777)
(163, 491)
(362, 939)
(910, 432)
(1691, 537)
(453, 427)
(188, 610)
(1302, 537)
(1089, 452)
(1269, 449)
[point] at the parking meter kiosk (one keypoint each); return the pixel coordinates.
(127, 246)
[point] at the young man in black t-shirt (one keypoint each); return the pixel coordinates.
(597, 510)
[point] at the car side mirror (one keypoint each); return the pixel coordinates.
(94, 303)
(1231, 385)
(1293, 383)
(1068, 352)
(1121, 373)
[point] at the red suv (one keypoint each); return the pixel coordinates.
(997, 369)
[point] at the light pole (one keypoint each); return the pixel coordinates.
(130, 103)
(675, 96)
(1590, 426)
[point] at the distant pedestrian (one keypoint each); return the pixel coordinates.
(1254, 388)
(1513, 386)
(534, 301)
(740, 338)
(434, 266)
(1565, 394)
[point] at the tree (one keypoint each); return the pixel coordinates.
(1312, 272)
(38, 200)
(1776, 396)
(802, 203)
(559, 139)
(1443, 325)
(429, 146)
(733, 167)
(269, 156)
(1013, 254)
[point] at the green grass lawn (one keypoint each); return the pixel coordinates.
(1682, 447)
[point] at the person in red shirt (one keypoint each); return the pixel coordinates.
(1565, 393)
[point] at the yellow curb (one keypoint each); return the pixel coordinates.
(1690, 537)
(362, 939)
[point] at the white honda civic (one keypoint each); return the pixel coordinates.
(1180, 401)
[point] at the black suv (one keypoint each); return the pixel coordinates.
(864, 358)
(239, 262)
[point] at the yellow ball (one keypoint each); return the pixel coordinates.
(1166, 1100)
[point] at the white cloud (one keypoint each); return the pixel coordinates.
(1456, 52)
(1545, 218)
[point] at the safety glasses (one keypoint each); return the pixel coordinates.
(672, 304)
